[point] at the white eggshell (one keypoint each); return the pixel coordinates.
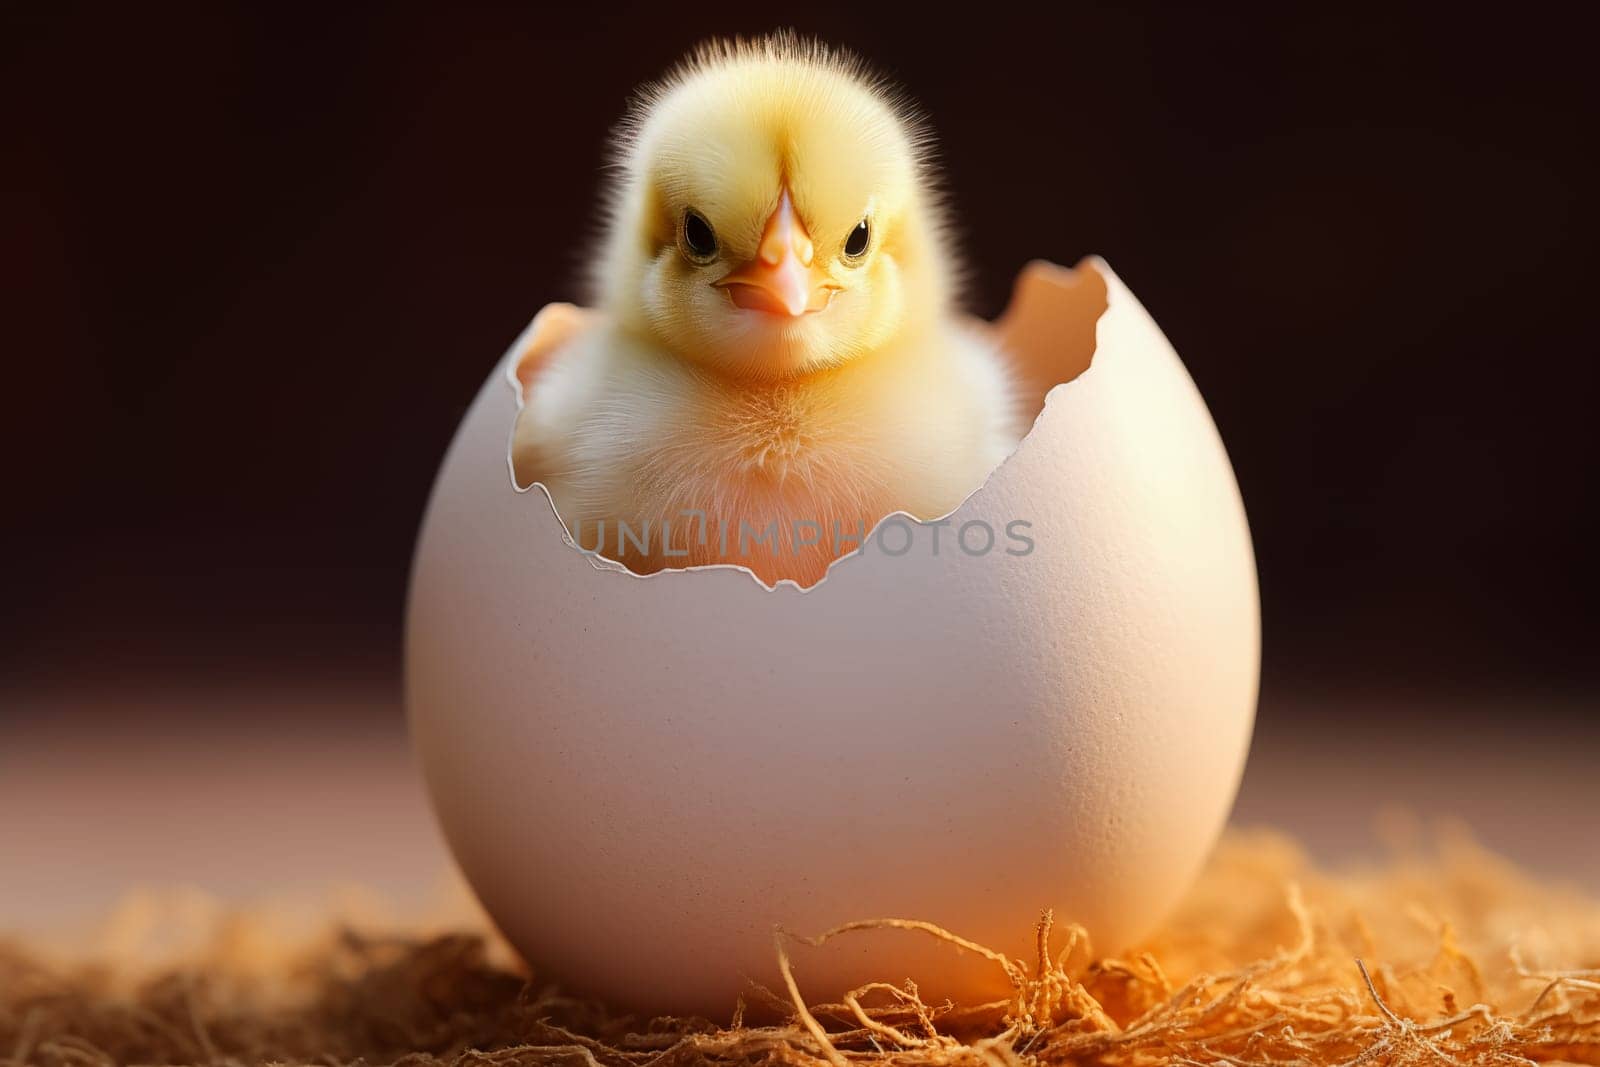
(642, 777)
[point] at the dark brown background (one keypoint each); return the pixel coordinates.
(259, 258)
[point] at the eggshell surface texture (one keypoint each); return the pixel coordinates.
(643, 777)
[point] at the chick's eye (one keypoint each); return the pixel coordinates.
(698, 238)
(856, 244)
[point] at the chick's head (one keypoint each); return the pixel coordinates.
(773, 213)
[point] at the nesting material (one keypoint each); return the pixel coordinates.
(1453, 957)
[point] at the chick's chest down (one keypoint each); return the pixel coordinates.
(789, 474)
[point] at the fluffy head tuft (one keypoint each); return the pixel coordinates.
(721, 139)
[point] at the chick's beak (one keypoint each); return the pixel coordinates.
(781, 279)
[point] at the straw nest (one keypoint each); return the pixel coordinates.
(1444, 956)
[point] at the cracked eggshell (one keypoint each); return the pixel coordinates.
(642, 777)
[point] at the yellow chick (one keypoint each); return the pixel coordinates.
(777, 364)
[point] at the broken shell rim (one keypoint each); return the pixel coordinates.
(511, 363)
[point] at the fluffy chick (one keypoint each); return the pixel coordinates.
(777, 364)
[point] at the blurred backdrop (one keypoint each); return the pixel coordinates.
(259, 258)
